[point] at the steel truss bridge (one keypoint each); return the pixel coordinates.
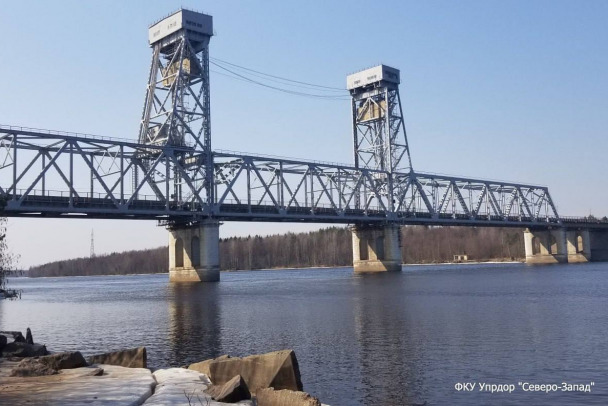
(54, 174)
(172, 174)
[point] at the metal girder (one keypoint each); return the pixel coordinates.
(342, 191)
(379, 137)
(60, 174)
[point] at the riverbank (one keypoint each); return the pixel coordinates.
(489, 261)
(29, 377)
(493, 261)
(117, 386)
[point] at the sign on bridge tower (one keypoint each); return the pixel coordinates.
(379, 137)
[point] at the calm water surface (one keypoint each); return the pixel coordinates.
(391, 339)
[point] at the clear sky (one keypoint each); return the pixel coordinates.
(511, 90)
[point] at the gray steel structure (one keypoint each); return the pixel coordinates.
(379, 137)
(54, 174)
(172, 175)
(177, 105)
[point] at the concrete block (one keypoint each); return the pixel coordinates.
(22, 349)
(232, 391)
(131, 358)
(203, 366)
(277, 369)
(271, 397)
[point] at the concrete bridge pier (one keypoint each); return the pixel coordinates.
(376, 248)
(194, 252)
(545, 246)
(598, 245)
(579, 245)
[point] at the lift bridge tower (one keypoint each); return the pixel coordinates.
(379, 137)
(379, 143)
(176, 110)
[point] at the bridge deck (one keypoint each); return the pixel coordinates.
(98, 208)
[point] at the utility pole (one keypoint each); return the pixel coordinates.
(92, 244)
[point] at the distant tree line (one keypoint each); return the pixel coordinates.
(326, 247)
(439, 244)
(130, 262)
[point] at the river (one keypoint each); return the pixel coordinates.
(392, 339)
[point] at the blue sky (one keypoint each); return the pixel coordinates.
(512, 90)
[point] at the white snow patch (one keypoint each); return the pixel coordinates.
(176, 385)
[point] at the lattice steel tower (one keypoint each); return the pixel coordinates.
(176, 109)
(379, 136)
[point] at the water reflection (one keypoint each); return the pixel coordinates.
(195, 322)
(388, 351)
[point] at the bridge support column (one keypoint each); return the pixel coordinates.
(376, 248)
(545, 246)
(579, 248)
(598, 245)
(194, 252)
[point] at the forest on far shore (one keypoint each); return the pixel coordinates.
(326, 247)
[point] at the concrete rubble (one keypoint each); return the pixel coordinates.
(179, 386)
(232, 391)
(278, 369)
(117, 386)
(49, 364)
(23, 381)
(131, 358)
(285, 397)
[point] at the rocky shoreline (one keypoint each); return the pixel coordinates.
(31, 375)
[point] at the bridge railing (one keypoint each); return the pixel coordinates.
(41, 131)
(584, 220)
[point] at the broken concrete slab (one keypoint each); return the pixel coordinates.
(179, 386)
(64, 360)
(32, 367)
(231, 392)
(22, 349)
(277, 369)
(131, 358)
(78, 386)
(49, 364)
(17, 336)
(28, 336)
(203, 366)
(285, 397)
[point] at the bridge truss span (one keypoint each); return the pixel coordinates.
(70, 175)
(310, 191)
(60, 174)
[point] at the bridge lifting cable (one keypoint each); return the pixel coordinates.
(245, 74)
(280, 78)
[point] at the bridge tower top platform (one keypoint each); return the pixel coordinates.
(198, 27)
(380, 75)
(379, 136)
